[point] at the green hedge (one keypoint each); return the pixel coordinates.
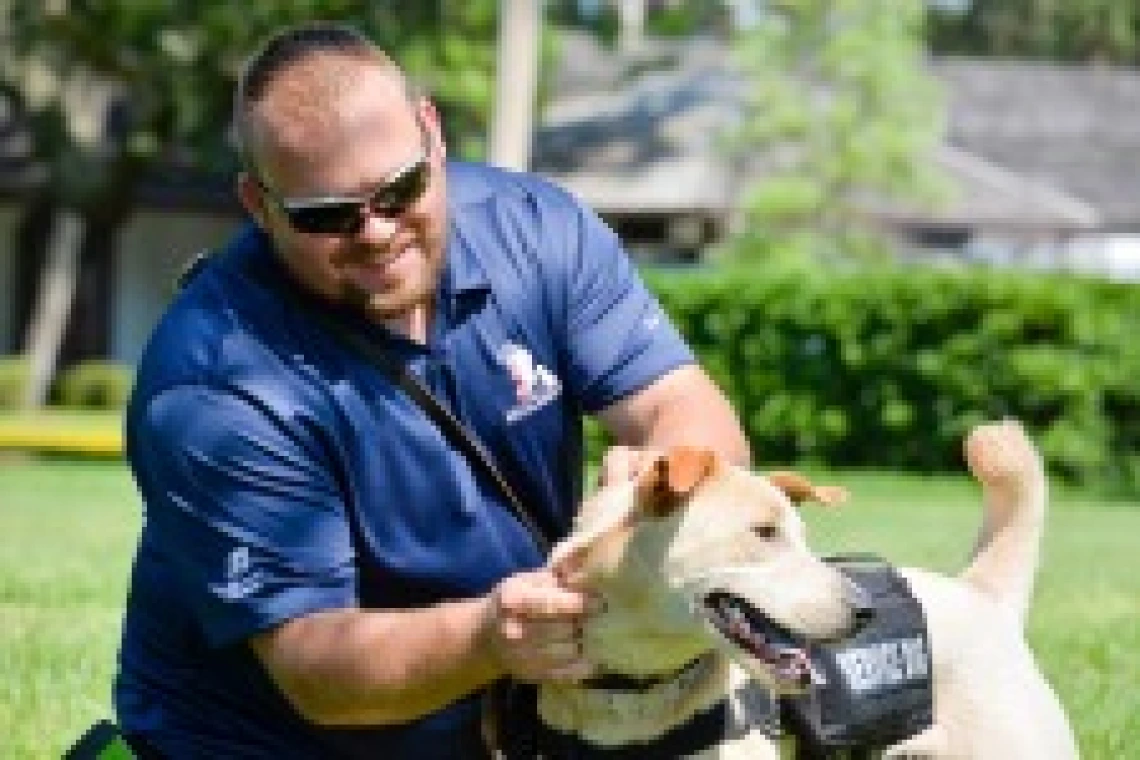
(94, 384)
(890, 367)
(15, 372)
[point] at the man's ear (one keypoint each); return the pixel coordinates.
(433, 125)
(673, 477)
(252, 198)
(799, 489)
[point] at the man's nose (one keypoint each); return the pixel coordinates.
(377, 229)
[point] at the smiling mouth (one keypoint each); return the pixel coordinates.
(747, 628)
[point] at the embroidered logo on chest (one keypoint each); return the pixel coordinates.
(535, 385)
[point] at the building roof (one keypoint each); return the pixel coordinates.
(1074, 128)
(981, 194)
(649, 143)
(1029, 146)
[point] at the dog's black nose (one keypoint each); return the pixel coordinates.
(862, 606)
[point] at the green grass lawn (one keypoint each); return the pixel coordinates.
(67, 532)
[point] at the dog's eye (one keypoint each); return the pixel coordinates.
(765, 530)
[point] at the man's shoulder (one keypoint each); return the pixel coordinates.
(220, 323)
(472, 184)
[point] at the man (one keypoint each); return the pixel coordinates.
(320, 574)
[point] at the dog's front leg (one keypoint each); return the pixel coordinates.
(930, 744)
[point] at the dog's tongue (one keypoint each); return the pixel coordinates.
(754, 633)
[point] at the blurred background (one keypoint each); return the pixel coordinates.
(880, 218)
(878, 222)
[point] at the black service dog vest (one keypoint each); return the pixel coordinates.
(873, 689)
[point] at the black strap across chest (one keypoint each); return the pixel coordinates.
(398, 372)
(451, 426)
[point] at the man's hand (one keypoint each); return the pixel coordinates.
(533, 628)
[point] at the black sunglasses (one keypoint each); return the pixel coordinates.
(346, 214)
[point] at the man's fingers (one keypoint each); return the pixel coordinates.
(619, 463)
(544, 601)
(540, 629)
(623, 463)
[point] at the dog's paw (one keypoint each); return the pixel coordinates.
(1001, 455)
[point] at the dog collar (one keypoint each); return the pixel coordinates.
(607, 681)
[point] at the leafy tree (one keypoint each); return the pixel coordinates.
(114, 88)
(1068, 30)
(840, 115)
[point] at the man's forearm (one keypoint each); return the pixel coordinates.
(683, 408)
(711, 425)
(362, 667)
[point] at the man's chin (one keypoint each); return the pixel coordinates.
(390, 306)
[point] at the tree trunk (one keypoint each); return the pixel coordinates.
(516, 80)
(54, 299)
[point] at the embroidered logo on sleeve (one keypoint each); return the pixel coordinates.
(535, 385)
(241, 578)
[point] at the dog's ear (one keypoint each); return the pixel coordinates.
(799, 489)
(673, 476)
(580, 561)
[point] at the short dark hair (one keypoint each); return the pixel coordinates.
(289, 46)
(296, 43)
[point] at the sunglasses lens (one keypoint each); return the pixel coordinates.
(401, 193)
(339, 218)
(346, 217)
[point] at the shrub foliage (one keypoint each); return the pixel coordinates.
(94, 384)
(889, 368)
(15, 372)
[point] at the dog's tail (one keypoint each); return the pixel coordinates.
(1013, 479)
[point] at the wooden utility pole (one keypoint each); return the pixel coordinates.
(632, 15)
(516, 81)
(53, 304)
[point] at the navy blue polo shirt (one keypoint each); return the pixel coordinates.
(282, 474)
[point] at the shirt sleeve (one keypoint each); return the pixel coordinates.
(242, 504)
(619, 338)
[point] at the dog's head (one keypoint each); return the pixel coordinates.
(697, 554)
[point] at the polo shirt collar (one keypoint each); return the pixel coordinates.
(464, 271)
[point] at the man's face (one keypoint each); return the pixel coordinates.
(392, 264)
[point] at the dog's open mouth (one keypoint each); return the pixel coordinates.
(749, 629)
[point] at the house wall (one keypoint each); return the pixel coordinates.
(1117, 256)
(153, 249)
(1111, 256)
(8, 220)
